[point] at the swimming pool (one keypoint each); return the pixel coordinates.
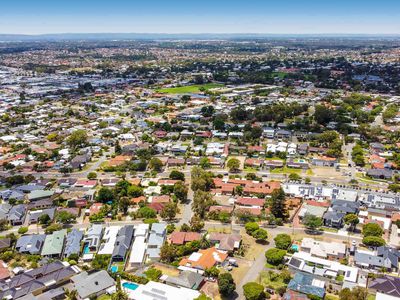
(114, 269)
(130, 285)
(295, 248)
(86, 249)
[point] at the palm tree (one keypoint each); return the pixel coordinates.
(71, 295)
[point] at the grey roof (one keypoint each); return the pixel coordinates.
(73, 242)
(187, 279)
(159, 228)
(123, 242)
(87, 285)
(383, 257)
(12, 194)
(4, 209)
(30, 243)
(36, 214)
(333, 216)
(387, 285)
(93, 235)
(36, 279)
(226, 242)
(155, 240)
(26, 188)
(153, 253)
(17, 213)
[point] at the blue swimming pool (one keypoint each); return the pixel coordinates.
(295, 248)
(86, 249)
(130, 285)
(114, 269)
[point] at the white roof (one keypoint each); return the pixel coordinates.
(350, 273)
(323, 249)
(156, 290)
(380, 296)
(109, 237)
(138, 250)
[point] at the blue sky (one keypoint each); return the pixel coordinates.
(200, 16)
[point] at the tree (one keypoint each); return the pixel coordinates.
(100, 261)
(169, 211)
(77, 138)
(105, 194)
(180, 191)
(260, 234)
(117, 148)
(3, 225)
(204, 163)
(250, 227)
(253, 291)
(278, 204)
(123, 204)
(372, 229)
(226, 284)
(65, 217)
(168, 252)
(44, 219)
(155, 164)
(373, 241)
(92, 175)
(196, 224)
(134, 191)
(22, 230)
(351, 219)
(283, 241)
(71, 294)
(201, 202)
(146, 212)
(233, 164)
(212, 272)
(294, 177)
(312, 222)
(201, 179)
(176, 175)
(53, 227)
(275, 256)
(357, 293)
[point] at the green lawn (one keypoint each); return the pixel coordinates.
(189, 89)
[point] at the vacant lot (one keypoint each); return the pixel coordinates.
(189, 89)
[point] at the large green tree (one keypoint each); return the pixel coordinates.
(253, 291)
(278, 204)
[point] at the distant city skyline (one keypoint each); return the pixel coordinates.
(218, 16)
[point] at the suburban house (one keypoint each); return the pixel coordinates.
(93, 237)
(36, 281)
(54, 244)
(73, 243)
(307, 285)
(30, 244)
(382, 257)
(92, 285)
(386, 287)
(225, 242)
(203, 259)
(180, 238)
(156, 240)
(16, 215)
(321, 249)
(122, 243)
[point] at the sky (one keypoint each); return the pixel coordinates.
(200, 16)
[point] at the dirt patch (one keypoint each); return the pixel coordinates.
(211, 290)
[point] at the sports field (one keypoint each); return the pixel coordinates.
(189, 88)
